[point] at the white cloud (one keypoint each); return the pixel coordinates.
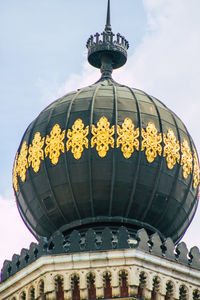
(169, 48)
(88, 76)
(14, 234)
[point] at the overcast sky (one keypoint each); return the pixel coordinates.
(43, 56)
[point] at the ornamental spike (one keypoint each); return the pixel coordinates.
(108, 28)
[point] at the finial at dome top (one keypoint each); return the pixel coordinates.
(105, 52)
(108, 24)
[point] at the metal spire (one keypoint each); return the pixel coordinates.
(108, 25)
(107, 51)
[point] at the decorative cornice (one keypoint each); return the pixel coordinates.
(106, 241)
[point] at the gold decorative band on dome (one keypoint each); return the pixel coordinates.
(22, 162)
(20, 165)
(196, 176)
(103, 136)
(151, 142)
(171, 149)
(77, 138)
(55, 144)
(102, 139)
(127, 138)
(15, 172)
(36, 153)
(186, 159)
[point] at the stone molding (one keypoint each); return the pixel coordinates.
(133, 261)
(57, 244)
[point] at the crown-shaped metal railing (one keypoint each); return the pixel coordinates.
(107, 48)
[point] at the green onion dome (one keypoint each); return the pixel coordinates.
(107, 155)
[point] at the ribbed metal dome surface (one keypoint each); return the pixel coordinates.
(107, 154)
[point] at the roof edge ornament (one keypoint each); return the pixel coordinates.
(107, 51)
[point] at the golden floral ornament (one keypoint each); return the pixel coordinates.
(15, 180)
(36, 153)
(151, 142)
(22, 162)
(171, 149)
(186, 159)
(77, 138)
(55, 144)
(196, 177)
(127, 138)
(102, 136)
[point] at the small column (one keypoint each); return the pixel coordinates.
(36, 288)
(99, 285)
(27, 292)
(190, 293)
(176, 290)
(49, 287)
(115, 284)
(133, 281)
(67, 287)
(162, 290)
(148, 287)
(147, 293)
(83, 286)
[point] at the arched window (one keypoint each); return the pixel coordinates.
(23, 296)
(123, 280)
(91, 286)
(107, 285)
(182, 293)
(59, 288)
(169, 291)
(196, 295)
(154, 293)
(142, 283)
(32, 293)
(75, 287)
